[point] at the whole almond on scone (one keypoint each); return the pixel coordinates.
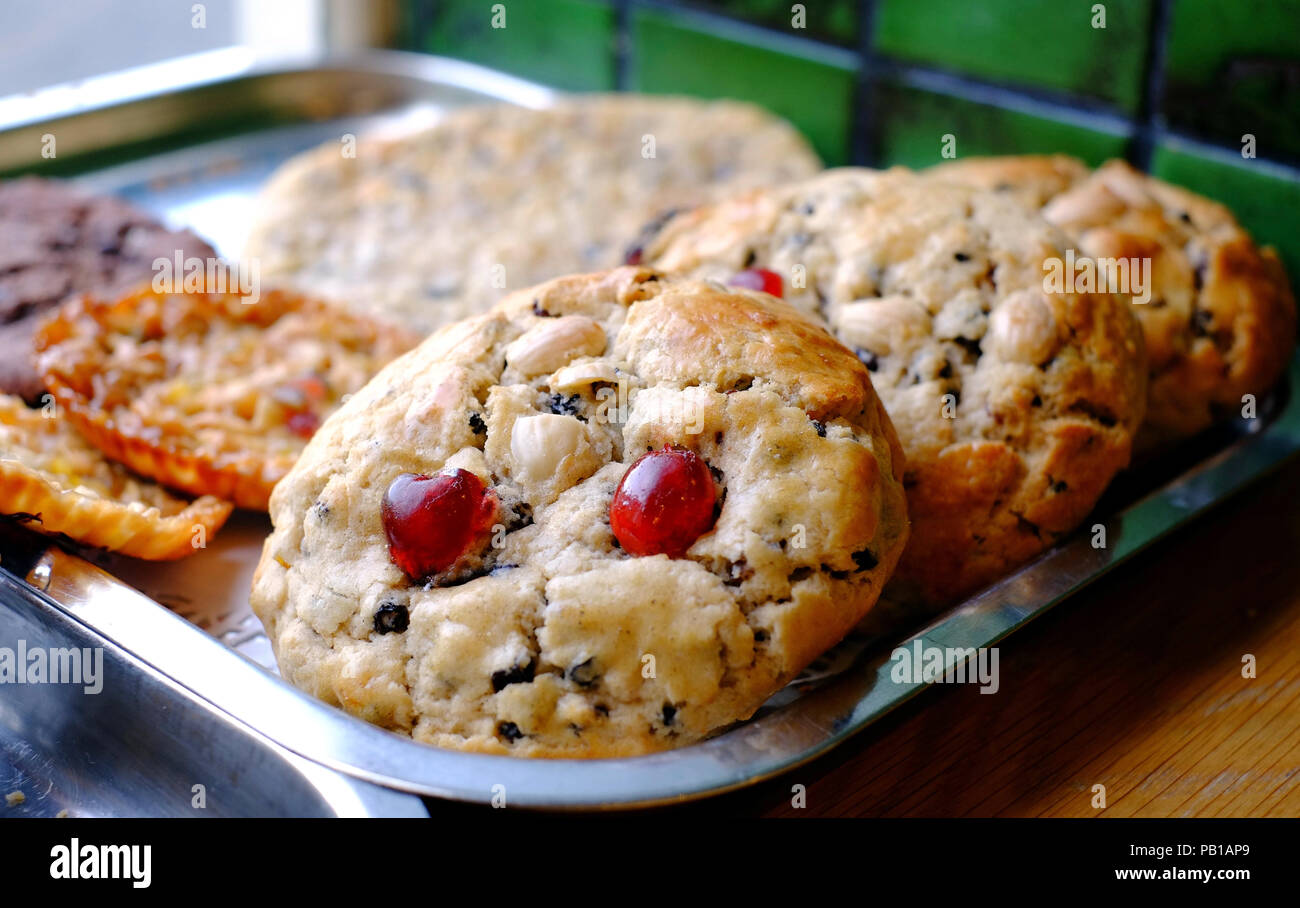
(487, 557)
(1219, 316)
(1015, 405)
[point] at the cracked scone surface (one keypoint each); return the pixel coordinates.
(1221, 320)
(543, 650)
(1015, 407)
(439, 225)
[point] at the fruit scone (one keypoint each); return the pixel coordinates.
(53, 481)
(212, 394)
(611, 516)
(429, 228)
(1015, 406)
(56, 241)
(1221, 319)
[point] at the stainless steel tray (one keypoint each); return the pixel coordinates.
(209, 648)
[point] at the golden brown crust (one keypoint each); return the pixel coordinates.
(58, 484)
(204, 392)
(1033, 179)
(1015, 406)
(1221, 319)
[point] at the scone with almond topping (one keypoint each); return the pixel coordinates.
(1015, 406)
(439, 225)
(611, 516)
(1220, 322)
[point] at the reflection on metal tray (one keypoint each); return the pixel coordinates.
(128, 741)
(208, 650)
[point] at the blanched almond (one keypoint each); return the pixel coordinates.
(1087, 204)
(539, 443)
(892, 324)
(1023, 329)
(580, 375)
(555, 343)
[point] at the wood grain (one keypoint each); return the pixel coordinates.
(1135, 684)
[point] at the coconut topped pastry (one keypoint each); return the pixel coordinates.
(53, 481)
(210, 393)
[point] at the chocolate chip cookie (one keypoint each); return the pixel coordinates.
(56, 241)
(1220, 321)
(611, 516)
(1015, 405)
(439, 225)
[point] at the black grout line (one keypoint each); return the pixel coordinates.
(420, 17)
(1153, 87)
(865, 135)
(622, 43)
(782, 40)
(1088, 113)
(1274, 168)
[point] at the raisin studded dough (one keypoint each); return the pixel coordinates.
(1015, 407)
(430, 228)
(545, 650)
(1221, 321)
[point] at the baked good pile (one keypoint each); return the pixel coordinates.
(583, 431)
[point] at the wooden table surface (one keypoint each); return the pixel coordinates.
(1135, 684)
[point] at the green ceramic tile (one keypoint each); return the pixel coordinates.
(1263, 197)
(834, 20)
(672, 54)
(565, 43)
(1050, 45)
(1234, 68)
(912, 124)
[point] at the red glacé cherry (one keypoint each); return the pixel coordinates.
(303, 423)
(431, 521)
(758, 279)
(663, 503)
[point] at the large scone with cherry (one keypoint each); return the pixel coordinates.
(1015, 405)
(610, 516)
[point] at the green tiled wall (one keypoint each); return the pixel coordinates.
(670, 53)
(912, 124)
(1048, 45)
(1234, 68)
(833, 20)
(882, 82)
(565, 43)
